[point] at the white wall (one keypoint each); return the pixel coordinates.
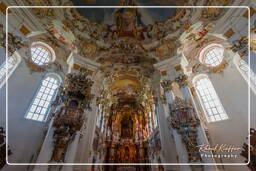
(25, 136)
(232, 90)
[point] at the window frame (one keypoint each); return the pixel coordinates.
(47, 48)
(8, 73)
(210, 99)
(46, 115)
(203, 54)
(247, 74)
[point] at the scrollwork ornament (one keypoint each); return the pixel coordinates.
(167, 85)
(182, 80)
(76, 97)
(183, 118)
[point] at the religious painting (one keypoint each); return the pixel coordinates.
(127, 126)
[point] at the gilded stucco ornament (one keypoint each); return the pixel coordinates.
(52, 66)
(167, 85)
(49, 67)
(127, 101)
(14, 42)
(88, 49)
(74, 98)
(191, 49)
(215, 13)
(102, 39)
(167, 48)
(183, 118)
(163, 99)
(241, 46)
(62, 33)
(41, 12)
(182, 80)
(253, 37)
(201, 68)
(253, 45)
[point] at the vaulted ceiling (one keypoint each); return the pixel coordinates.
(105, 15)
(129, 36)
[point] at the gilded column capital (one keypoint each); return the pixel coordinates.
(167, 85)
(183, 118)
(182, 80)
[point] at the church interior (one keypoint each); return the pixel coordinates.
(127, 85)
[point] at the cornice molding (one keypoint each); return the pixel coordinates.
(172, 61)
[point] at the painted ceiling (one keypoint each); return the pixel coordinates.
(105, 15)
(127, 36)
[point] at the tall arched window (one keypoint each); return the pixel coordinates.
(8, 66)
(246, 71)
(209, 99)
(41, 53)
(40, 105)
(212, 55)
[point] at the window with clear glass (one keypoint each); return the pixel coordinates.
(42, 101)
(214, 56)
(40, 55)
(246, 70)
(8, 66)
(210, 100)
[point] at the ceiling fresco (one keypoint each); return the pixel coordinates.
(127, 36)
(106, 15)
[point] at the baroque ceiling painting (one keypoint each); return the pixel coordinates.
(132, 87)
(100, 34)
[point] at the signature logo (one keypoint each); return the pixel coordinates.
(218, 148)
(218, 151)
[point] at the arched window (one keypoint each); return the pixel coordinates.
(245, 70)
(209, 99)
(40, 105)
(42, 53)
(9, 66)
(212, 55)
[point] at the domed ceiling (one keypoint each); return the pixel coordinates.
(126, 36)
(105, 15)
